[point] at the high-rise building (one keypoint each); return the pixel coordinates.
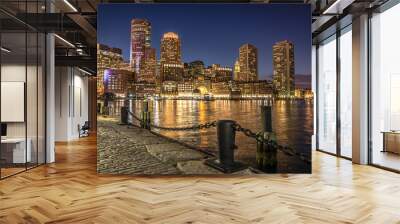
(107, 58)
(255, 88)
(170, 48)
(171, 72)
(196, 70)
(283, 60)
(117, 81)
(140, 46)
(149, 66)
(170, 61)
(236, 70)
(248, 63)
(221, 73)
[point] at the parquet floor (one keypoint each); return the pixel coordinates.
(70, 191)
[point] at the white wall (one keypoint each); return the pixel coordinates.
(62, 82)
(33, 126)
(12, 73)
(71, 102)
(16, 73)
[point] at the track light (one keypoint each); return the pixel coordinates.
(64, 40)
(5, 50)
(326, 11)
(337, 7)
(86, 72)
(70, 5)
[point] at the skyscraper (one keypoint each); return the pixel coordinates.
(283, 60)
(221, 73)
(248, 63)
(140, 44)
(236, 70)
(107, 58)
(170, 61)
(196, 70)
(149, 66)
(117, 81)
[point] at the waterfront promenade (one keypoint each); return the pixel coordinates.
(136, 151)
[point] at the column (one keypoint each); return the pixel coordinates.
(50, 98)
(360, 90)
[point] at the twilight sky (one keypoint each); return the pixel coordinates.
(213, 33)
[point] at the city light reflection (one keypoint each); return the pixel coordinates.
(292, 123)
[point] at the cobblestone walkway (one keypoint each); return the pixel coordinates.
(123, 150)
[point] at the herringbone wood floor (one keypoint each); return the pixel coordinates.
(70, 191)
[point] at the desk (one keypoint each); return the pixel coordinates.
(391, 141)
(16, 147)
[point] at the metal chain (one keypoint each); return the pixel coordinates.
(246, 131)
(187, 128)
(291, 152)
(237, 127)
(259, 137)
(134, 116)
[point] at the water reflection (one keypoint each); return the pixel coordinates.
(292, 122)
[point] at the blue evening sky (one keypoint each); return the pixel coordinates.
(213, 33)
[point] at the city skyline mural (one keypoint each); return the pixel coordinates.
(230, 31)
(223, 93)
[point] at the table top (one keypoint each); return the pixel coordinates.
(13, 140)
(391, 132)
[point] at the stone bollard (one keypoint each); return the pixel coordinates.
(226, 142)
(266, 118)
(226, 145)
(266, 156)
(145, 123)
(124, 115)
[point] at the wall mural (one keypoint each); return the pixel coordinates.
(204, 89)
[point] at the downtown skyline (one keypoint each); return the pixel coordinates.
(225, 53)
